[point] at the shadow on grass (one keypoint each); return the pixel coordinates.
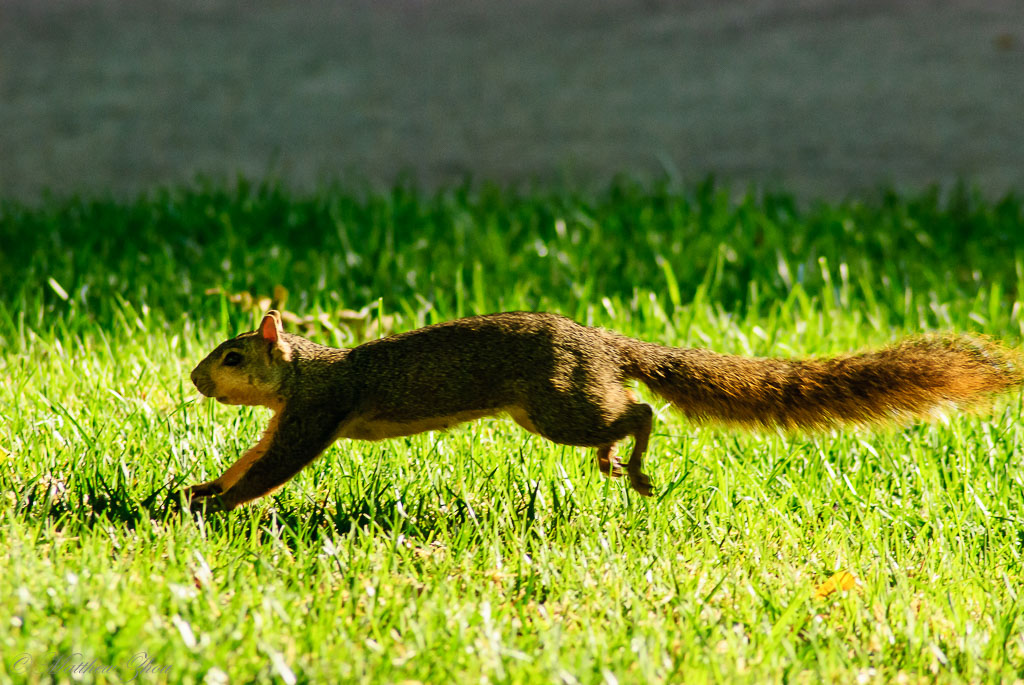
(373, 507)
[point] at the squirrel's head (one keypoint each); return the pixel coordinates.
(247, 369)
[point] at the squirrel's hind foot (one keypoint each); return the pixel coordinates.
(608, 463)
(641, 483)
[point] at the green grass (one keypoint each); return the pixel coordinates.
(485, 554)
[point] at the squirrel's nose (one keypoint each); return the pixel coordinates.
(203, 383)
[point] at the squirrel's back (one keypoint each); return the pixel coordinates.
(491, 360)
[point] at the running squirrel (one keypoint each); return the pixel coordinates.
(560, 380)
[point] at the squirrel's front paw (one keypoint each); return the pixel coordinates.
(204, 497)
(207, 489)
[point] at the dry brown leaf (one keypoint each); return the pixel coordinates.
(362, 325)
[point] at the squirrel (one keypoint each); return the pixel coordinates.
(563, 381)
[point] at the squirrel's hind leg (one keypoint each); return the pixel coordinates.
(568, 421)
(643, 417)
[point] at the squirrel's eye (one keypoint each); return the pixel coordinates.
(232, 359)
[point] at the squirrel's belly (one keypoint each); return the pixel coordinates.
(362, 428)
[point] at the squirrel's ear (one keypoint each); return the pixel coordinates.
(271, 330)
(270, 327)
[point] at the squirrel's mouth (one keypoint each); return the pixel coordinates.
(205, 387)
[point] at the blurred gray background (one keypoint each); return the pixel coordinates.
(826, 99)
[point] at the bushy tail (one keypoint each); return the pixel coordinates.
(912, 379)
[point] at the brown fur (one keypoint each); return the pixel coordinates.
(563, 381)
(909, 380)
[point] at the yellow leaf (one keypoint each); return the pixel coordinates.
(843, 580)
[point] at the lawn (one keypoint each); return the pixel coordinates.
(486, 554)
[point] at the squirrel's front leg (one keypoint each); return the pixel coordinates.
(197, 493)
(294, 438)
